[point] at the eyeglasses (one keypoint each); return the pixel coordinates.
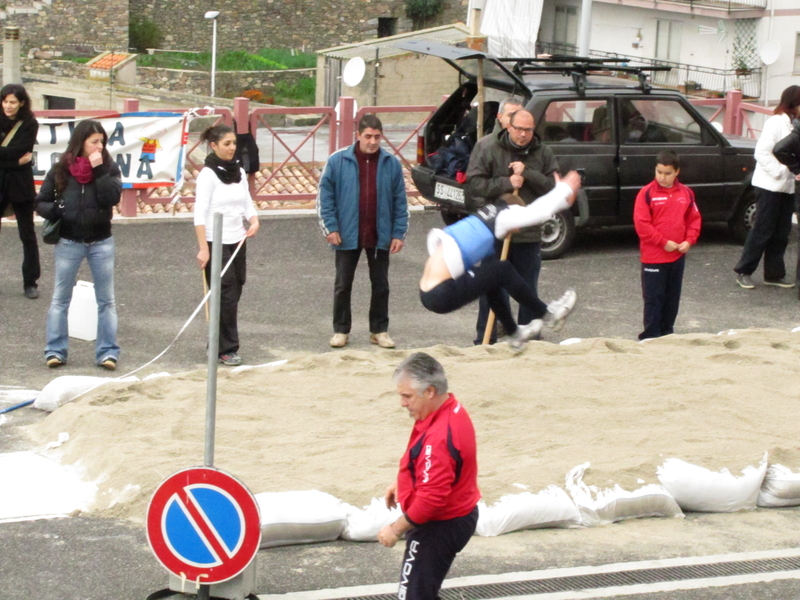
(523, 129)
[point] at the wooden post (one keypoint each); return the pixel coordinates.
(487, 334)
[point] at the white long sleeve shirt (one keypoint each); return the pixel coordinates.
(771, 174)
(231, 199)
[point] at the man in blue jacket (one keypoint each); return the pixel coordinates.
(361, 204)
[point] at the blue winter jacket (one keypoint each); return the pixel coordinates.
(337, 199)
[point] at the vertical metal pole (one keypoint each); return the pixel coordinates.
(213, 339)
(481, 98)
(213, 56)
(585, 34)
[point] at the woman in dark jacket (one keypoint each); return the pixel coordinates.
(81, 189)
(18, 129)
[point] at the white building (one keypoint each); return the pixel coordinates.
(713, 45)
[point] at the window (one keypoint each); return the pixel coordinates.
(797, 54)
(668, 40)
(387, 26)
(58, 103)
(575, 121)
(657, 122)
(566, 25)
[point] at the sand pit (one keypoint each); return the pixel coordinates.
(332, 422)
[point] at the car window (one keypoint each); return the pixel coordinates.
(571, 121)
(654, 121)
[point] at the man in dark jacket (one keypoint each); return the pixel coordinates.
(362, 204)
(513, 159)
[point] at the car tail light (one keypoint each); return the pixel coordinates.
(420, 149)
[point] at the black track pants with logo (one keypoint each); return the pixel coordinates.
(430, 550)
(661, 291)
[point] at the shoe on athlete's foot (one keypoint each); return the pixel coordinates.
(524, 334)
(54, 360)
(745, 282)
(231, 359)
(781, 283)
(559, 310)
(109, 363)
(382, 339)
(339, 340)
(31, 292)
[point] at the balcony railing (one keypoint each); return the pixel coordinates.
(692, 80)
(727, 5)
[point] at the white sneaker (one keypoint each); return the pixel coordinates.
(559, 310)
(382, 339)
(339, 340)
(524, 334)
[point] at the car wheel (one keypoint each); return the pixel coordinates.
(557, 235)
(744, 218)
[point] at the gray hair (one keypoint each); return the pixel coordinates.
(424, 371)
(510, 100)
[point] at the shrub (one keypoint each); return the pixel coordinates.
(143, 34)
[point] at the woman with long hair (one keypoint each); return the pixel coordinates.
(82, 189)
(222, 187)
(18, 129)
(774, 185)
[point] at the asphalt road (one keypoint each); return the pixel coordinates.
(286, 308)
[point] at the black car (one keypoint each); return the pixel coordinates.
(607, 127)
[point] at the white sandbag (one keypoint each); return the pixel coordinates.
(363, 525)
(701, 490)
(68, 387)
(611, 505)
(781, 487)
(551, 507)
(299, 517)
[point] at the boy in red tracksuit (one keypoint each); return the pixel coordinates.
(668, 224)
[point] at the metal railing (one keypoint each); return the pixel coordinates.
(726, 5)
(692, 80)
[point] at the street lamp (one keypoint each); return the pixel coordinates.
(213, 14)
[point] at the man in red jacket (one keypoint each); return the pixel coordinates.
(437, 486)
(668, 224)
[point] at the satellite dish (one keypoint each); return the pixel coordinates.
(770, 52)
(354, 71)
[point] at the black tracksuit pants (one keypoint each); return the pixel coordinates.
(231, 291)
(661, 291)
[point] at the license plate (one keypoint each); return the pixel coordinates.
(442, 191)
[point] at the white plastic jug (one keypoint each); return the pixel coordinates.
(82, 315)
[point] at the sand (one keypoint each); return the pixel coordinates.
(332, 421)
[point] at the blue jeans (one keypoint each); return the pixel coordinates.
(68, 258)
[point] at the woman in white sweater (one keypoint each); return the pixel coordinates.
(774, 185)
(222, 187)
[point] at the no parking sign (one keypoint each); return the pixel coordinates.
(203, 525)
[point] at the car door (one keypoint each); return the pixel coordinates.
(580, 133)
(646, 125)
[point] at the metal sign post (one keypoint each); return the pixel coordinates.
(213, 339)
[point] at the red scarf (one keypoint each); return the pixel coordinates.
(81, 169)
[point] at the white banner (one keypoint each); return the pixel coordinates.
(147, 147)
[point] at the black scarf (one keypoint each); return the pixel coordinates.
(6, 125)
(228, 171)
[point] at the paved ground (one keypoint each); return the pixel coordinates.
(286, 308)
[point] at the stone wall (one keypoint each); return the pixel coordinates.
(63, 23)
(301, 24)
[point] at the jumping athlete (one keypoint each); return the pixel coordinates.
(462, 265)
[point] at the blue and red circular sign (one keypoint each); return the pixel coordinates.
(204, 525)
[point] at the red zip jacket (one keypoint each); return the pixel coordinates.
(663, 214)
(438, 477)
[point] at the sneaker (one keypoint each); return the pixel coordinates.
(558, 310)
(339, 340)
(745, 282)
(231, 359)
(382, 339)
(109, 363)
(32, 292)
(524, 334)
(53, 361)
(781, 283)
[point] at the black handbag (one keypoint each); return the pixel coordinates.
(51, 231)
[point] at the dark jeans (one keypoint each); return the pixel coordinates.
(231, 291)
(346, 263)
(430, 550)
(491, 278)
(661, 290)
(27, 235)
(769, 235)
(527, 260)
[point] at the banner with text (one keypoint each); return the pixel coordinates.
(147, 147)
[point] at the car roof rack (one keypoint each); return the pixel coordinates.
(579, 67)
